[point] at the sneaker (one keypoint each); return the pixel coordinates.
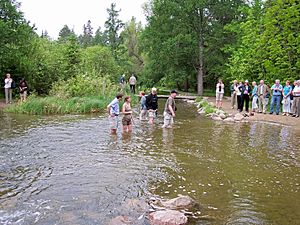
(284, 114)
(270, 113)
(277, 113)
(297, 116)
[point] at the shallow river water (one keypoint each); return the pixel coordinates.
(70, 170)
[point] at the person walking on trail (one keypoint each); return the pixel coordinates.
(8, 88)
(122, 82)
(23, 89)
(276, 96)
(219, 94)
(233, 94)
(152, 105)
(262, 90)
(114, 111)
(127, 115)
(169, 112)
(132, 82)
(143, 106)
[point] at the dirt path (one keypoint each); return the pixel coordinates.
(285, 120)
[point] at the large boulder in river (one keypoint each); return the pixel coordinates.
(167, 217)
(181, 202)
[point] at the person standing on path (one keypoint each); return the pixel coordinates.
(127, 115)
(152, 105)
(122, 82)
(254, 97)
(246, 95)
(233, 94)
(219, 93)
(262, 90)
(276, 96)
(286, 100)
(132, 82)
(114, 111)
(296, 101)
(8, 89)
(169, 112)
(143, 106)
(23, 89)
(240, 96)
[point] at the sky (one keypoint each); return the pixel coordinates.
(52, 15)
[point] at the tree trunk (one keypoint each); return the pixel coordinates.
(186, 85)
(200, 70)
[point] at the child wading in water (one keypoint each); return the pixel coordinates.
(127, 112)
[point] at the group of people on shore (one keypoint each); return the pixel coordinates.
(242, 93)
(10, 84)
(148, 105)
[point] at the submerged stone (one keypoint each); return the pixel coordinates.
(181, 202)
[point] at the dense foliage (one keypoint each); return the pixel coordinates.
(186, 45)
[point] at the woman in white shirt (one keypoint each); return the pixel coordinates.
(7, 88)
(219, 94)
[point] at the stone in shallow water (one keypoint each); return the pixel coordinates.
(238, 117)
(167, 217)
(229, 119)
(181, 202)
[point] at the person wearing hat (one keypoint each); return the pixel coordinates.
(152, 105)
(169, 112)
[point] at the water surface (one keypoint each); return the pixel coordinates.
(70, 170)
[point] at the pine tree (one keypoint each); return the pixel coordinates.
(113, 25)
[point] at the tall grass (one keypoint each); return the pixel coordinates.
(56, 105)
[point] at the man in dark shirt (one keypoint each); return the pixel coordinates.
(152, 105)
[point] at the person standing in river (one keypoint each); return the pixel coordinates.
(127, 115)
(114, 111)
(169, 112)
(152, 105)
(143, 106)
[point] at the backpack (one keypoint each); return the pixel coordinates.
(13, 85)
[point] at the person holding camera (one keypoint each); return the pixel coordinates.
(276, 96)
(8, 88)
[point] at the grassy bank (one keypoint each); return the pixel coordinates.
(56, 105)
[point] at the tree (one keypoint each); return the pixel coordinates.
(99, 38)
(184, 39)
(87, 38)
(65, 33)
(113, 25)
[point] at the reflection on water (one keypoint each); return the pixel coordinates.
(69, 170)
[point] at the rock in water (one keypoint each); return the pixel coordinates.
(121, 220)
(216, 118)
(181, 202)
(167, 217)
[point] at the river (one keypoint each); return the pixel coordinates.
(70, 170)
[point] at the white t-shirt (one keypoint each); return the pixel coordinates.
(218, 90)
(7, 82)
(132, 80)
(296, 89)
